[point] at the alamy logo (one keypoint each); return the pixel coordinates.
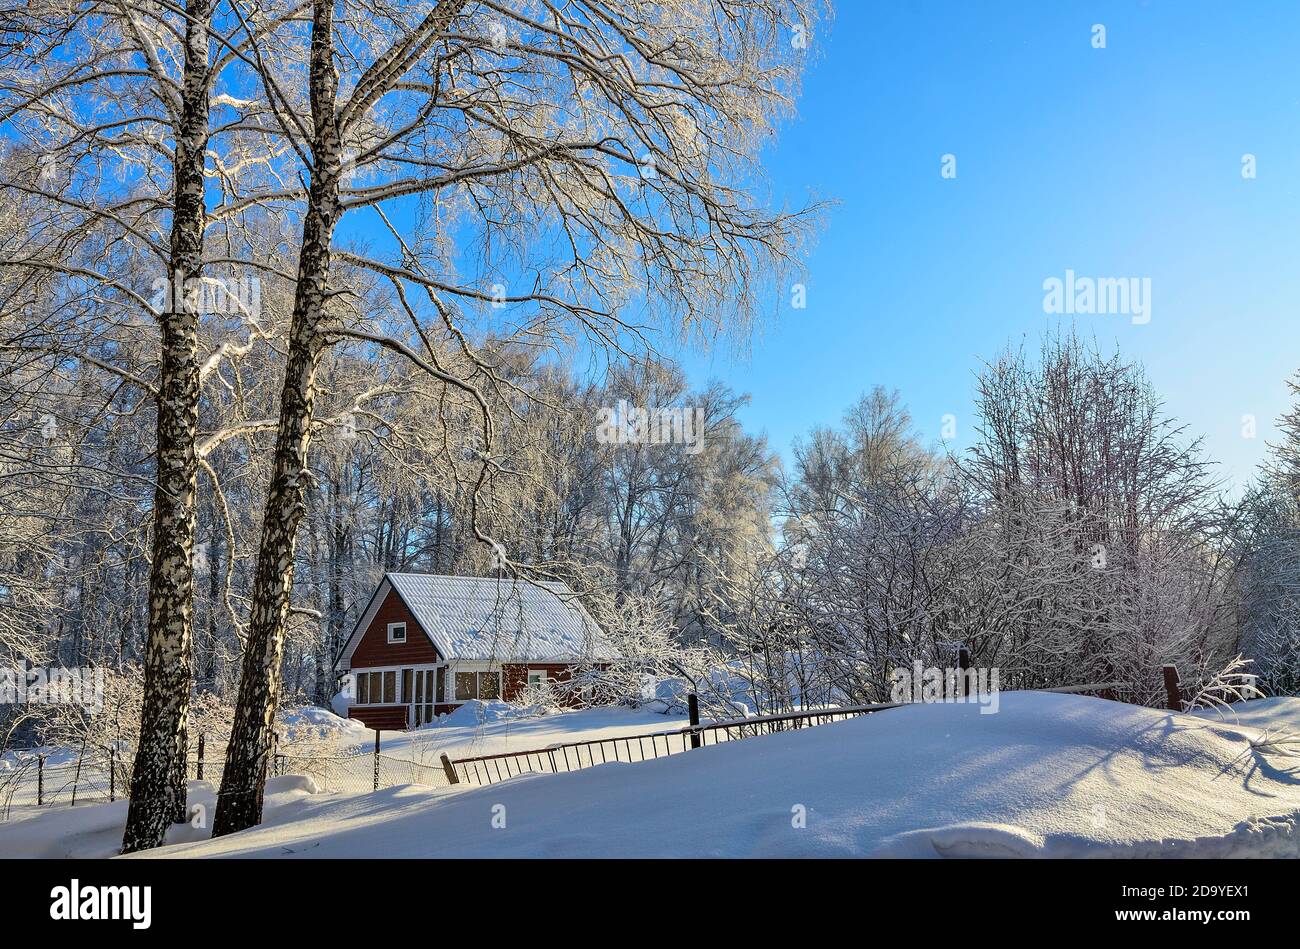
(1104, 296)
(103, 902)
(634, 425)
(209, 296)
(55, 685)
(921, 684)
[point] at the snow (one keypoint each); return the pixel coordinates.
(1278, 714)
(490, 619)
(477, 712)
(309, 721)
(96, 830)
(489, 728)
(1048, 775)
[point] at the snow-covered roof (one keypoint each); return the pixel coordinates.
(487, 618)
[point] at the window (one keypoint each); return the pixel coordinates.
(380, 688)
(478, 685)
(397, 632)
(537, 678)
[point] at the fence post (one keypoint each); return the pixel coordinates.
(693, 711)
(1173, 691)
(112, 773)
(76, 775)
(451, 771)
(963, 663)
(40, 780)
(202, 742)
(377, 734)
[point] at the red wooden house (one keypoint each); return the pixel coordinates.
(425, 644)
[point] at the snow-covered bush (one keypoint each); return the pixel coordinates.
(641, 632)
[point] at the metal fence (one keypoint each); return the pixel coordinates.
(361, 771)
(631, 749)
(574, 756)
(95, 778)
(86, 779)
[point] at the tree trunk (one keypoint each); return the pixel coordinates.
(158, 775)
(207, 680)
(239, 802)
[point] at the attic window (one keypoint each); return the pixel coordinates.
(397, 632)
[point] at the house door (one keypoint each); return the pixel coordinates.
(422, 698)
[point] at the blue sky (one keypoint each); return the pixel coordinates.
(1116, 162)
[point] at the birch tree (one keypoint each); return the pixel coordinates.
(117, 99)
(577, 161)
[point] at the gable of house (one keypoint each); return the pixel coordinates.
(373, 647)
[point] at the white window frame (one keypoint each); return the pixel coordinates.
(432, 684)
(543, 675)
(478, 691)
(398, 691)
(397, 688)
(397, 642)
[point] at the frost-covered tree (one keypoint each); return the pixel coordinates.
(126, 115)
(582, 161)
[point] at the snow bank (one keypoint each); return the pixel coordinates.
(1048, 775)
(312, 721)
(477, 712)
(96, 830)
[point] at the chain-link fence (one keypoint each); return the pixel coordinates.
(358, 772)
(85, 779)
(34, 779)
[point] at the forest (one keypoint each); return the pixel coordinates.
(294, 294)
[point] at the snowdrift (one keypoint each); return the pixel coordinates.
(477, 712)
(1048, 775)
(96, 830)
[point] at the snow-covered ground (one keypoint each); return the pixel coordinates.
(489, 728)
(1048, 775)
(1277, 714)
(96, 830)
(337, 751)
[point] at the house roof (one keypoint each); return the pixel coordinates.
(485, 618)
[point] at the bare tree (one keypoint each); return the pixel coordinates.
(107, 84)
(615, 141)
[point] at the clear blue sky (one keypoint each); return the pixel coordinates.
(1123, 161)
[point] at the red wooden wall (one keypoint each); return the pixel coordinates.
(375, 649)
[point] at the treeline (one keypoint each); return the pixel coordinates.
(389, 490)
(1084, 538)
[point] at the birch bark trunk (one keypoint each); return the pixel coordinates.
(239, 802)
(158, 776)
